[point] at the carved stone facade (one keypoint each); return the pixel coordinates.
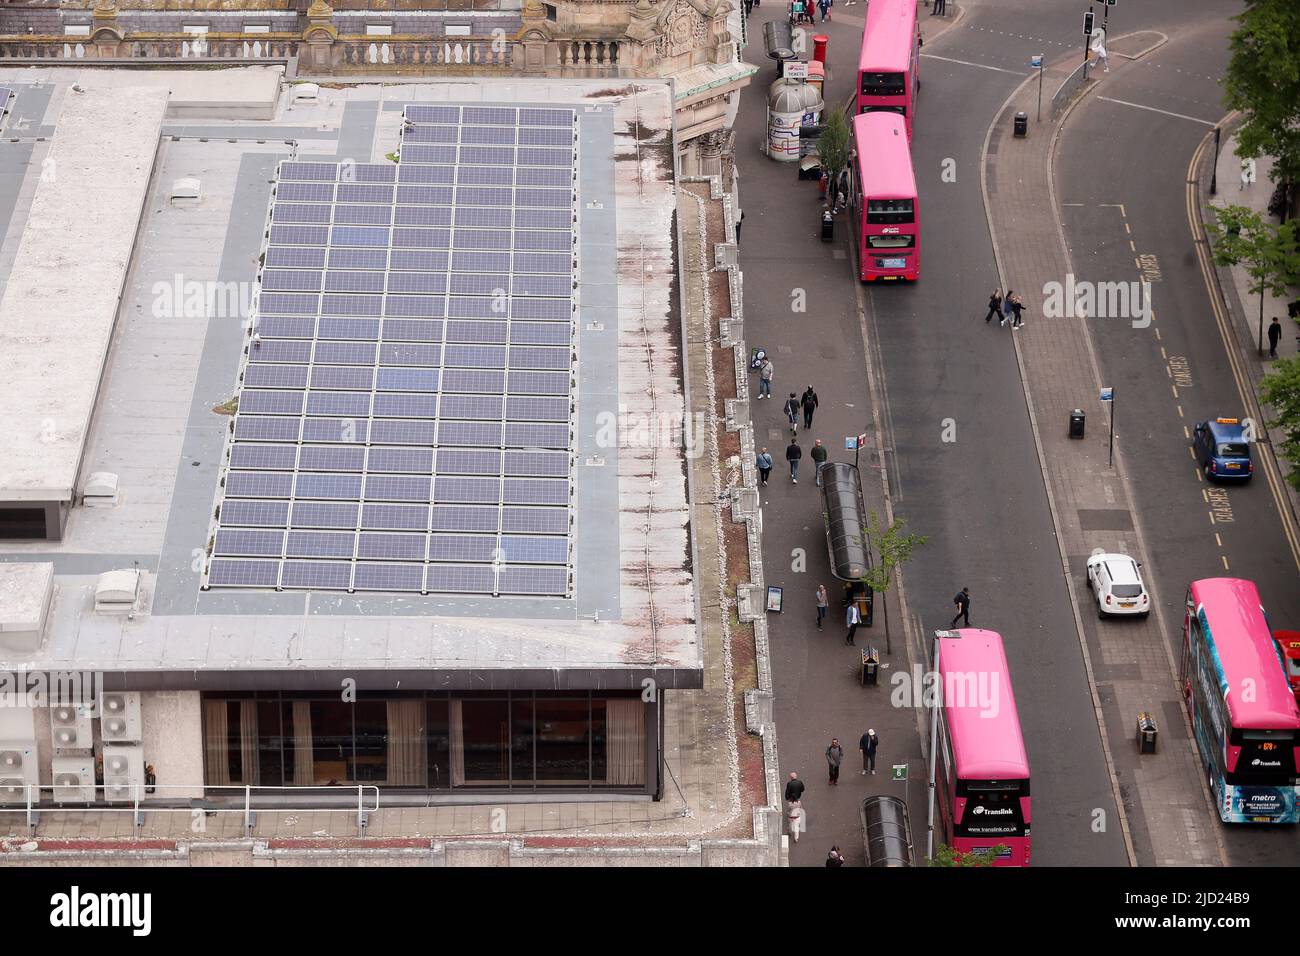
(693, 41)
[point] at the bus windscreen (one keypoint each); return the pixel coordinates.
(885, 211)
(884, 84)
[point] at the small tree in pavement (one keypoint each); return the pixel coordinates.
(895, 548)
(1281, 390)
(1263, 81)
(833, 146)
(1270, 253)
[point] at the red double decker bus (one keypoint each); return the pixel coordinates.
(883, 199)
(982, 772)
(887, 66)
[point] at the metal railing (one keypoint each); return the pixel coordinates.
(1065, 93)
(139, 799)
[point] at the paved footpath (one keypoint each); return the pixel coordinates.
(1166, 816)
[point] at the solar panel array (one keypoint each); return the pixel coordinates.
(405, 413)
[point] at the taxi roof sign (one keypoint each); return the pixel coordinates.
(1228, 421)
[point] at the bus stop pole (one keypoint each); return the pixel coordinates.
(1111, 454)
(934, 744)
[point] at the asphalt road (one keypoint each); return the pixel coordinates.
(1187, 538)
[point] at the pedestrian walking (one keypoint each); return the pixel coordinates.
(819, 459)
(823, 605)
(851, 620)
(868, 745)
(995, 305)
(1017, 304)
(798, 820)
(809, 403)
(823, 6)
(765, 373)
(834, 757)
(764, 463)
(1006, 307)
(792, 455)
(962, 600)
(1274, 333)
(835, 857)
(791, 408)
(793, 788)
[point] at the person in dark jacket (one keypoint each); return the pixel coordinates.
(995, 305)
(794, 788)
(962, 601)
(1274, 333)
(834, 757)
(835, 858)
(819, 459)
(1017, 305)
(809, 403)
(792, 455)
(868, 745)
(792, 413)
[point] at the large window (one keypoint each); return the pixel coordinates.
(439, 741)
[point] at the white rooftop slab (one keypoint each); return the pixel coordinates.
(246, 92)
(61, 301)
(24, 594)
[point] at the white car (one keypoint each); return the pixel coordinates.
(1117, 585)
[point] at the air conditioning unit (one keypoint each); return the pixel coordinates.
(119, 717)
(74, 779)
(18, 770)
(123, 773)
(71, 728)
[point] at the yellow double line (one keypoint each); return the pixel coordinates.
(1267, 458)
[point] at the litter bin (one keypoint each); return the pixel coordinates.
(1022, 124)
(1147, 732)
(828, 226)
(886, 831)
(1076, 423)
(870, 666)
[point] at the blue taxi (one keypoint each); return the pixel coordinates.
(1223, 449)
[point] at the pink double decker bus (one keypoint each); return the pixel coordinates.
(887, 66)
(982, 773)
(883, 199)
(1244, 714)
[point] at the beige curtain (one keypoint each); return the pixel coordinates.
(457, 736)
(217, 742)
(408, 757)
(252, 771)
(304, 763)
(624, 742)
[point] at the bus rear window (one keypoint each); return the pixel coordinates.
(884, 211)
(883, 84)
(890, 242)
(900, 110)
(1233, 449)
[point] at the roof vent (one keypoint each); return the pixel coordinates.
(186, 190)
(116, 592)
(100, 490)
(306, 92)
(26, 591)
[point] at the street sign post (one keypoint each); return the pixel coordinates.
(796, 70)
(1108, 395)
(899, 772)
(1036, 61)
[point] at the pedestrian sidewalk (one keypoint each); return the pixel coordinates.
(1162, 798)
(1234, 281)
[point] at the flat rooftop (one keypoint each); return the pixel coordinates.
(61, 300)
(591, 485)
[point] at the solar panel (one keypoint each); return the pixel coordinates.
(405, 416)
(273, 514)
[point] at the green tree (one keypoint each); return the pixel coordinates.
(1281, 390)
(833, 144)
(895, 548)
(944, 855)
(1263, 82)
(1270, 253)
